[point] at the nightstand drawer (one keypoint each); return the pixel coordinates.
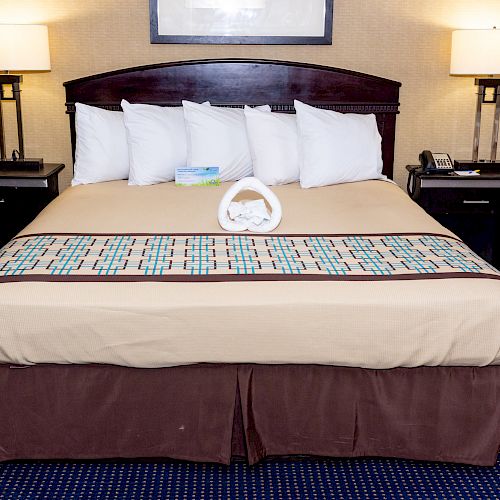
(23, 194)
(442, 201)
(7, 200)
(8, 209)
(4, 204)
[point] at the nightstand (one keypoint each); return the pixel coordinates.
(468, 206)
(23, 194)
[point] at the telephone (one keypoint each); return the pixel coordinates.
(435, 162)
(430, 163)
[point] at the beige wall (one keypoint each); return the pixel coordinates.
(405, 40)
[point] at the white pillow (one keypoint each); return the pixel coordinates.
(217, 137)
(157, 143)
(337, 147)
(101, 152)
(273, 141)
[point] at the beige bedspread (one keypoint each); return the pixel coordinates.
(373, 324)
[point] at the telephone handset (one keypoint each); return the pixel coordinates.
(435, 162)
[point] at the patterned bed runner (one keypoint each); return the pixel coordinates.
(235, 257)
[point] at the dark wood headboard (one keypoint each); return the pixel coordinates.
(236, 82)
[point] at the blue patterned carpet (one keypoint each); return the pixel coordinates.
(305, 479)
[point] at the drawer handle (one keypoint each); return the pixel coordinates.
(2, 200)
(476, 202)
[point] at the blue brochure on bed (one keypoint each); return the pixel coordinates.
(197, 176)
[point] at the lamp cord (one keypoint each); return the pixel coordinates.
(412, 181)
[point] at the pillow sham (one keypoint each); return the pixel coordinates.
(337, 147)
(101, 152)
(157, 144)
(217, 137)
(273, 142)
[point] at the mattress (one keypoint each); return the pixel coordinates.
(147, 323)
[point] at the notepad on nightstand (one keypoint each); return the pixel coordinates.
(467, 173)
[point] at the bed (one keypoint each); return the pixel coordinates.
(205, 365)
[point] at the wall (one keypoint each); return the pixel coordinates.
(404, 40)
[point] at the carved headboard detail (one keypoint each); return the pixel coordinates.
(236, 82)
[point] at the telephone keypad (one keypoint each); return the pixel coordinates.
(442, 161)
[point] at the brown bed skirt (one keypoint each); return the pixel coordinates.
(214, 413)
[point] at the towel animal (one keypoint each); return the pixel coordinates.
(249, 215)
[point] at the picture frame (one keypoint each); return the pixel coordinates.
(238, 22)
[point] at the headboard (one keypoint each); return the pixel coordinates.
(236, 82)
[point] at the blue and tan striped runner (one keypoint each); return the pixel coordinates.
(237, 257)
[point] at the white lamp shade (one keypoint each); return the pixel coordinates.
(475, 52)
(24, 47)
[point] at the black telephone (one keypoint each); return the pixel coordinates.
(430, 163)
(435, 162)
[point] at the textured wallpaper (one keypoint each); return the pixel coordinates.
(403, 40)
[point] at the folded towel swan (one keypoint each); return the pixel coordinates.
(252, 215)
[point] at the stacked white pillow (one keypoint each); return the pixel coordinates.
(274, 148)
(157, 144)
(101, 152)
(147, 143)
(217, 137)
(337, 147)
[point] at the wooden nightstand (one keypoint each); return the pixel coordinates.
(23, 194)
(468, 206)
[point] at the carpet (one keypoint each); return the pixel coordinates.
(300, 479)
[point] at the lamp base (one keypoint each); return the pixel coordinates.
(25, 164)
(476, 165)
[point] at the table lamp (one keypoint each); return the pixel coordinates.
(22, 48)
(477, 53)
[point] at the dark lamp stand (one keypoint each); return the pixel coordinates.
(14, 163)
(483, 84)
(483, 97)
(15, 82)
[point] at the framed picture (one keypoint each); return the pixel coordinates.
(263, 22)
